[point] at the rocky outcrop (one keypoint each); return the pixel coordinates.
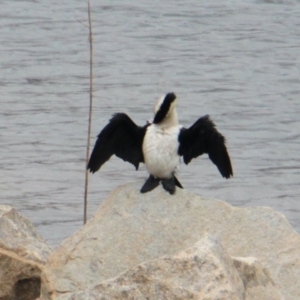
(130, 229)
(204, 271)
(22, 256)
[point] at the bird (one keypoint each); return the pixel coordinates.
(160, 144)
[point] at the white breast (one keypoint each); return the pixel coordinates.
(160, 148)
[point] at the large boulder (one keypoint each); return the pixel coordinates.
(204, 271)
(22, 256)
(131, 228)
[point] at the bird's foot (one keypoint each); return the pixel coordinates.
(150, 184)
(169, 184)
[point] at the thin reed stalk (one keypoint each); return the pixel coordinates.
(90, 114)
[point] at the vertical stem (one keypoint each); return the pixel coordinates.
(90, 114)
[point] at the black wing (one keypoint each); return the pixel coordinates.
(122, 137)
(203, 137)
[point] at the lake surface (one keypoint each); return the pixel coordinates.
(238, 61)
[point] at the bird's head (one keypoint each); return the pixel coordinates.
(165, 109)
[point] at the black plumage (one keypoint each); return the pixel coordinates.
(122, 137)
(203, 137)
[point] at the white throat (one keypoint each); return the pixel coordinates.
(170, 120)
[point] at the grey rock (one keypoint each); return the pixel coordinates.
(131, 228)
(257, 280)
(204, 271)
(22, 256)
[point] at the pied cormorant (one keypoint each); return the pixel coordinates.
(160, 144)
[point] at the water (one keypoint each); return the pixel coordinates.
(237, 61)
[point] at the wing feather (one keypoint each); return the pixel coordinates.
(203, 137)
(122, 137)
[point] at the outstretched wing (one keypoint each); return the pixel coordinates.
(122, 137)
(203, 137)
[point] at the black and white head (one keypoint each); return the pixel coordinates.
(165, 110)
